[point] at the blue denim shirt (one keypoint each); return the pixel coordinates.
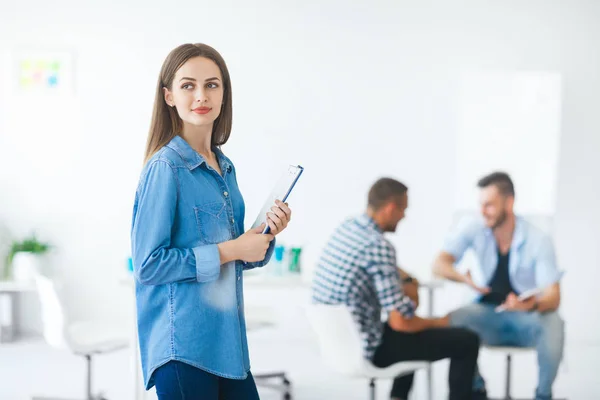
(532, 263)
(189, 307)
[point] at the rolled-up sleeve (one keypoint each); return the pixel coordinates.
(208, 262)
(460, 239)
(546, 269)
(155, 261)
(382, 267)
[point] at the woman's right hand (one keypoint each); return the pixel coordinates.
(252, 246)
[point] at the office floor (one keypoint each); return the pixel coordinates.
(29, 367)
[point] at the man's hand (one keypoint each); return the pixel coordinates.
(512, 303)
(415, 324)
(443, 322)
(444, 267)
(469, 281)
(411, 289)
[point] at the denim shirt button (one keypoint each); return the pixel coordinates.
(225, 194)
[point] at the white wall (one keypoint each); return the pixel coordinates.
(350, 92)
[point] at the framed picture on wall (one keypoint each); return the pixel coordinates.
(43, 71)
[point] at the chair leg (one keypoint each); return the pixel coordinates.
(508, 376)
(372, 388)
(88, 385)
(285, 388)
(507, 390)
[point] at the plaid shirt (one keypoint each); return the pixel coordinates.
(358, 268)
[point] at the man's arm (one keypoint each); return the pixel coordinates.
(410, 286)
(549, 300)
(444, 267)
(390, 294)
(405, 275)
(547, 276)
(455, 246)
(398, 322)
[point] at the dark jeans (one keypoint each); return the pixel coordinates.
(180, 381)
(460, 345)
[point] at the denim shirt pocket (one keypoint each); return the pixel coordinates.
(211, 221)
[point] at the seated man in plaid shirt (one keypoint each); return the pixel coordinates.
(358, 268)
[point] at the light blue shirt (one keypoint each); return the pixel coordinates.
(532, 262)
(189, 307)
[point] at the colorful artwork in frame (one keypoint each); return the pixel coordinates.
(44, 71)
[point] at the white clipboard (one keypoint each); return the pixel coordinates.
(281, 191)
(530, 293)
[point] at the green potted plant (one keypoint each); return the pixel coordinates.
(23, 259)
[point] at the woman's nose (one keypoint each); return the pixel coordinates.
(201, 96)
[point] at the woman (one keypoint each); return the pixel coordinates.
(188, 245)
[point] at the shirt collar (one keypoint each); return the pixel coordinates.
(192, 159)
(369, 222)
(519, 234)
(224, 162)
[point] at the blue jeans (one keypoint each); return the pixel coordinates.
(544, 331)
(180, 381)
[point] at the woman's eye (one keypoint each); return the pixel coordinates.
(187, 86)
(212, 85)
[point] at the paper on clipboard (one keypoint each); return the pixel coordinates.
(281, 191)
(528, 293)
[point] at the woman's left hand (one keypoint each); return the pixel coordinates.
(279, 217)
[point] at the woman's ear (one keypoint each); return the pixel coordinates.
(168, 97)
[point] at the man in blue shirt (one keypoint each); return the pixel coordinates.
(514, 257)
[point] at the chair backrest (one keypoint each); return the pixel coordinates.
(53, 315)
(338, 338)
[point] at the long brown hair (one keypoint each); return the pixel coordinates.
(166, 123)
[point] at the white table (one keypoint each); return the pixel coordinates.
(290, 280)
(9, 290)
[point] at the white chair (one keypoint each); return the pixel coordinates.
(84, 338)
(341, 347)
(508, 352)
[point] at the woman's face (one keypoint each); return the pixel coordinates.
(196, 92)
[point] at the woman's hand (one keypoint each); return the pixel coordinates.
(252, 246)
(279, 217)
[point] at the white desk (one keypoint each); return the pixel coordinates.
(282, 281)
(9, 290)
